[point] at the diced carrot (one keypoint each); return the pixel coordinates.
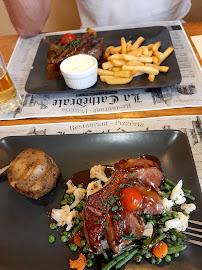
(78, 264)
(77, 239)
(160, 250)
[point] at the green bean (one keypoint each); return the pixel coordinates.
(115, 260)
(145, 246)
(127, 258)
(171, 183)
(189, 196)
(173, 237)
(105, 255)
(144, 218)
(167, 195)
(75, 230)
(80, 185)
(176, 249)
(178, 234)
(164, 219)
(157, 239)
(130, 246)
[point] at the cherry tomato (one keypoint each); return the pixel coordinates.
(78, 239)
(160, 250)
(131, 198)
(68, 38)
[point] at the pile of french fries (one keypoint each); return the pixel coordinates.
(130, 60)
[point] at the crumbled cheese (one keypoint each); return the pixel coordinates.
(148, 230)
(177, 194)
(98, 171)
(79, 194)
(188, 208)
(104, 244)
(64, 216)
(70, 187)
(180, 223)
(93, 187)
(167, 204)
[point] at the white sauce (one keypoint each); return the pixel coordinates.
(78, 63)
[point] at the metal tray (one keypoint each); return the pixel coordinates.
(25, 223)
(37, 82)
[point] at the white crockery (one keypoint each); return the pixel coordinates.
(79, 71)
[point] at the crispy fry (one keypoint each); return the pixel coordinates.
(134, 63)
(117, 80)
(128, 46)
(155, 60)
(107, 65)
(137, 43)
(151, 77)
(101, 72)
(116, 69)
(107, 52)
(165, 54)
(150, 46)
(145, 50)
(143, 69)
(122, 73)
(158, 55)
(115, 50)
(116, 63)
(136, 52)
(150, 53)
(156, 46)
(115, 56)
(160, 68)
(144, 59)
(103, 78)
(123, 45)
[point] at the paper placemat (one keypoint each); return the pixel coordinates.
(190, 125)
(188, 93)
(197, 40)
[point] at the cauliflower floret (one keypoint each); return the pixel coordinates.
(93, 187)
(79, 194)
(70, 187)
(98, 171)
(188, 208)
(104, 244)
(177, 194)
(180, 223)
(167, 204)
(63, 216)
(148, 230)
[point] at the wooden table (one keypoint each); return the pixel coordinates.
(7, 44)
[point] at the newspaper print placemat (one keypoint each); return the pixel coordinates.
(190, 125)
(188, 93)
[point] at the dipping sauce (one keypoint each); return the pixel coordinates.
(79, 63)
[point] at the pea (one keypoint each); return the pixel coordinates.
(77, 221)
(80, 186)
(66, 196)
(158, 260)
(173, 237)
(53, 226)
(83, 242)
(89, 263)
(51, 239)
(82, 202)
(81, 225)
(79, 207)
(91, 255)
(153, 260)
(148, 255)
(167, 258)
(63, 202)
(177, 254)
(73, 247)
(70, 201)
(160, 230)
(164, 214)
(72, 196)
(151, 221)
(147, 216)
(64, 238)
(137, 258)
(85, 249)
(179, 240)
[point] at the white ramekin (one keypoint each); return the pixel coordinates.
(80, 80)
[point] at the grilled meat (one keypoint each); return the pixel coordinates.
(33, 173)
(103, 218)
(85, 45)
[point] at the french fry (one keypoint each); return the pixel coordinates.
(117, 80)
(116, 62)
(136, 52)
(107, 52)
(122, 73)
(115, 50)
(150, 46)
(104, 72)
(128, 46)
(137, 43)
(156, 46)
(144, 59)
(134, 63)
(160, 68)
(151, 77)
(143, 69)
(155, 60)
(116, 68)
(103, 78)
(145, 50)
(158, 54)
(165, 54)
(150, 52)
(107, 65)
(123, 45)
(115, 56)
